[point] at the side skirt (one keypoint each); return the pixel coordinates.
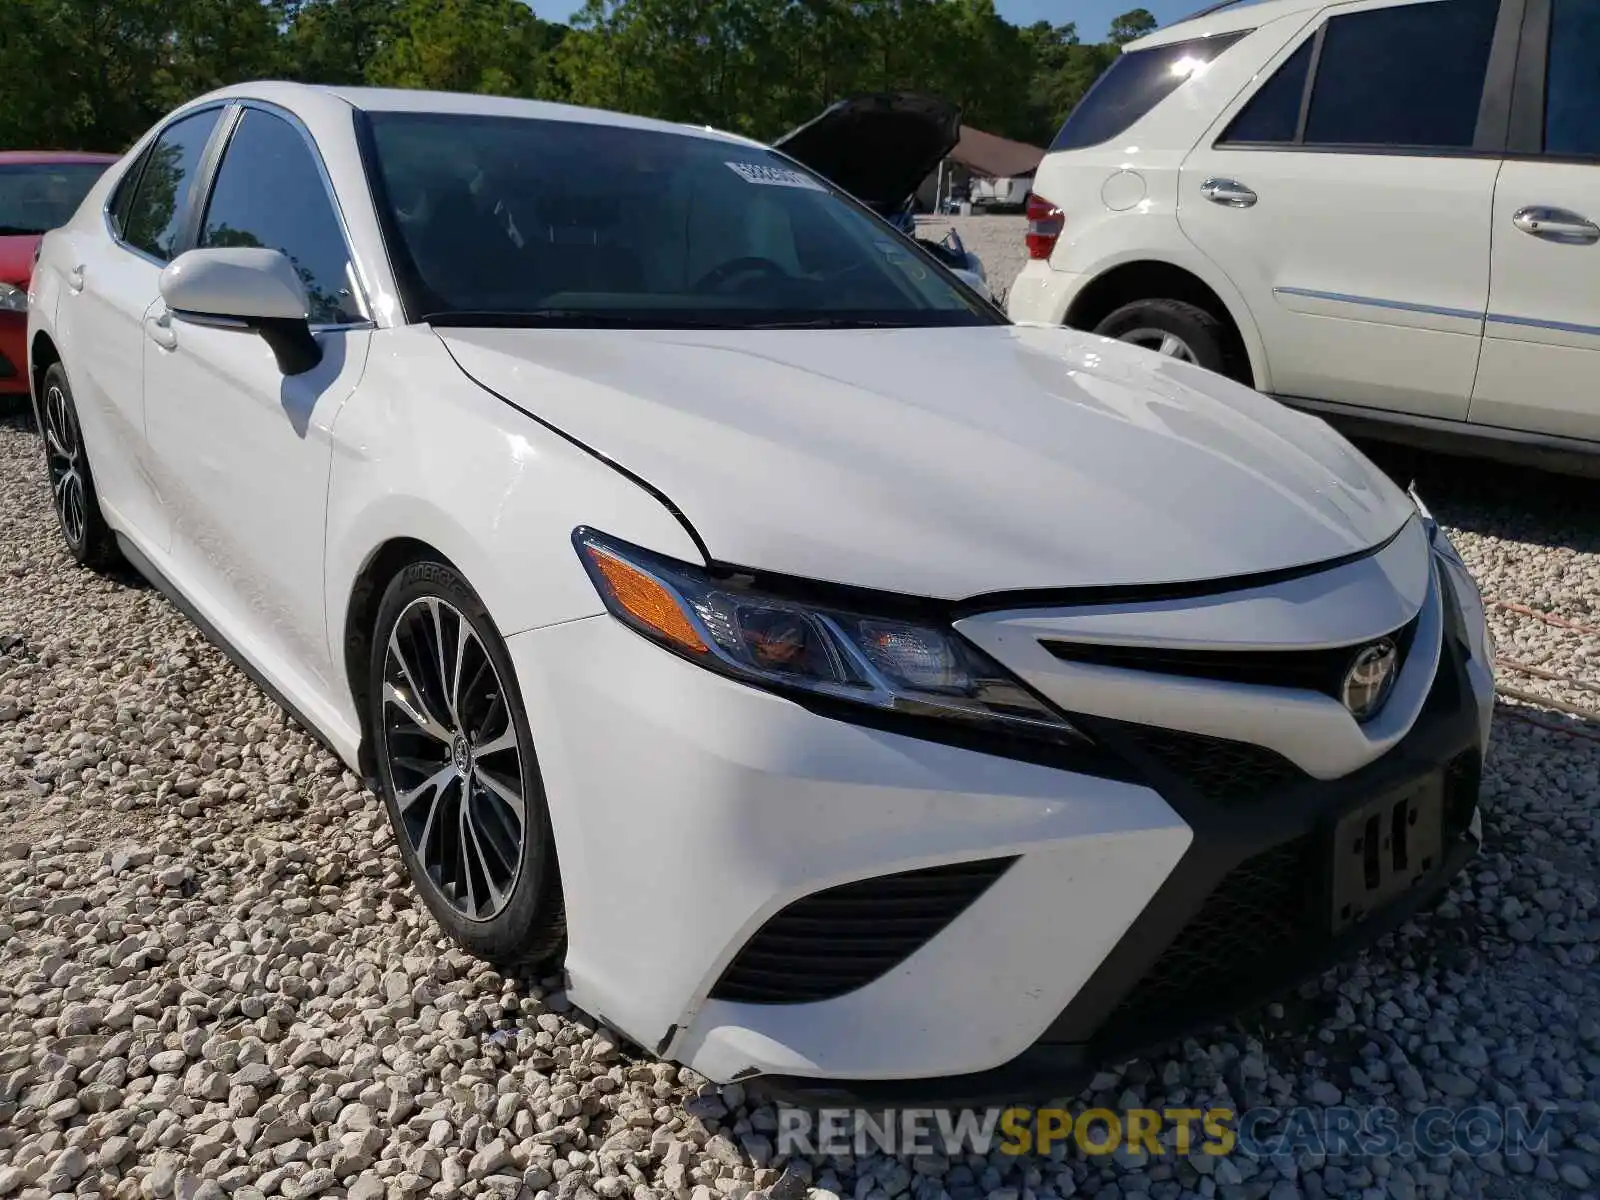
(165, 586)
(1545, 451)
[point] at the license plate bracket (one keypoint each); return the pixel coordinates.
(1385, 848)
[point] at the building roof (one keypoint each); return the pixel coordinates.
(988, 154)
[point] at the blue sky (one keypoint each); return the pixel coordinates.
(1092, 16)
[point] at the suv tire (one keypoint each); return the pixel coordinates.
(1171, 328)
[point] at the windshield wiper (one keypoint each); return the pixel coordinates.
(18, 231)
(531, 318)
(832, 323)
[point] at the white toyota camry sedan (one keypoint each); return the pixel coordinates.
(845, 686)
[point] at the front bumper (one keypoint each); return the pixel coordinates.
(698, 820)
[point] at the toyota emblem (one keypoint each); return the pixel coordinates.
(1370, 678)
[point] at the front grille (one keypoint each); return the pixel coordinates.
(1308, 670)
(1225, 772)
(1260, 911)
(834, 941)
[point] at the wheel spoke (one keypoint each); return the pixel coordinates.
(454, 692)
(415, 714)
(434, 783)
(506, 741)
(508, 797)
(421, 842)
(464, 856)
(496, 896)
(1173, 347)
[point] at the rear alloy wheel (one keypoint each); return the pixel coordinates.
(457, 770)
(72, 495)
(1172, 329)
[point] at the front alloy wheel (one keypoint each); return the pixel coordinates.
(458, 772)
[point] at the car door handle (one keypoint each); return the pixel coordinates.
(1228, 192)
(1557, 225)
(75, 280)
(160, 331)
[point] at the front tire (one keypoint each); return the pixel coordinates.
(457, 771)
(72, 492)
(1171, 328)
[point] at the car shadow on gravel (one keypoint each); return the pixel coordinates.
(1498, 499)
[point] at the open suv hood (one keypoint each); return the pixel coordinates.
(949, 463)
(878, 147)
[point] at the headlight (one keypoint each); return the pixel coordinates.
(13, 298)
(879, 662)
(1437, 538)
(1480, 637)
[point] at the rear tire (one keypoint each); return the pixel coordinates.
(457, 772)
(72, 492)
(1172, 328)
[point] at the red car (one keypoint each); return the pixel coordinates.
(38, 191)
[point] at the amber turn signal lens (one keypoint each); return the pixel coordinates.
(646, 600)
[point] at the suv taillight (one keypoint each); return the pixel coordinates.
(1045, 222)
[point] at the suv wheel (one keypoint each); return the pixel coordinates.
(457, 771)
(1171, 328)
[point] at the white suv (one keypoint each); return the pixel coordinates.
(1385, 212)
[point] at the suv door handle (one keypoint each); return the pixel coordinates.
(160, 331)
(1228, 192)
(75, 279)
(1557, 225)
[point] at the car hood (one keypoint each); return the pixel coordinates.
(879, 148)
(16, 257)
(949, 463)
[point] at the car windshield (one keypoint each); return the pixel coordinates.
(513, 220)
(38, 197)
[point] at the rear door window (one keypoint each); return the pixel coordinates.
(161, 200)
(1273, 114)
(1406, 77)
(1133, 85)
(1572, 80)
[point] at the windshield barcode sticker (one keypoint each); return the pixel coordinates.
(774, 176)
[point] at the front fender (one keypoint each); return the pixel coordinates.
(421, 452)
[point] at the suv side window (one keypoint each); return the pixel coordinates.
(161, 198)
(270, 192)
(1572, 80)
(1273, 113)
(1410, 76)
(1133, 85)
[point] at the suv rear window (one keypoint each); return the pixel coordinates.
(1133, 85)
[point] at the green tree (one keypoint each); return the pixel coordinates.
(1131, 25)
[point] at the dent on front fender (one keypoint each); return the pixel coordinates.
(422, 453)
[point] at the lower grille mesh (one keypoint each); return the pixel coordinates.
(1224, 772)
(1260, 909)
(835, 941)
(1265, 913)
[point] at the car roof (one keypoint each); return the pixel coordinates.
(378, 100)
(1229, 17)
(41, 157)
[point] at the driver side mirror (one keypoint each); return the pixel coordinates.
(245, 287)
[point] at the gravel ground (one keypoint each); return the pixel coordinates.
(214, 980)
